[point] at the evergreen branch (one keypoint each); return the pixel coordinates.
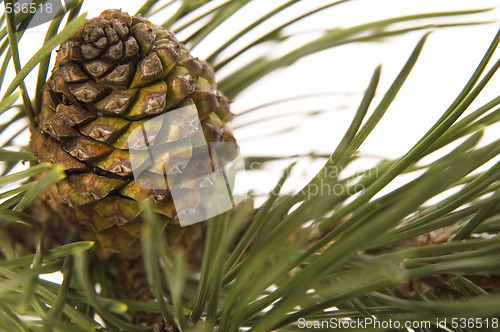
(14, 52)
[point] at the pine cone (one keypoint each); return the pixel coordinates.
(112, 79)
